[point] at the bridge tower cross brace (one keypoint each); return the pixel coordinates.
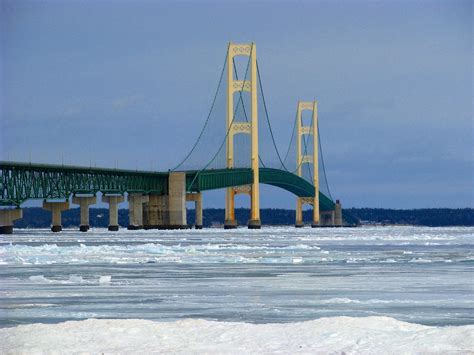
(307, 159)
(234, 128)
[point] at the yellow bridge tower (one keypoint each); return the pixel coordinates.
(307, 159)
(234, 128)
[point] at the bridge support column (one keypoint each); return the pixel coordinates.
(299, 213)
(56, 207)
(198, 209)
(254, 222)
(167, 211)
(197, 198)
(304, 157)
(177, 200)
(135, 211)
(338, 214)
(113, 201)
(317, 217)
(316, 213)
(84, 202)
(155, 212)
(230, 222)
(7, 216)
(251, 128)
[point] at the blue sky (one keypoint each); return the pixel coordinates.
(129, 83)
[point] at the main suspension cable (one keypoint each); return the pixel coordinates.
(291, 140)
(267, 117)
(322, 161)
(208, 116)
(228, 128)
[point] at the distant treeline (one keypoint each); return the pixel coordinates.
(36, 217)
(434, 217)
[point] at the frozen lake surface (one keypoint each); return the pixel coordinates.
(273, 275)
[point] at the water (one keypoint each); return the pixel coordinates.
(274, 275)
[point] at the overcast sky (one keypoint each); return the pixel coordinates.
(130, 83)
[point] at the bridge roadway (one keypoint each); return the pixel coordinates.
(24, 181)
(20, 182)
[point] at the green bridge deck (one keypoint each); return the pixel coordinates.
(24, 181)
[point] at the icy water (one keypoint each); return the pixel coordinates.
(274, 275)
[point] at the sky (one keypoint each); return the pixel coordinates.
(129, 84)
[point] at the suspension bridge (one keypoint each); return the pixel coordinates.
(232, 152)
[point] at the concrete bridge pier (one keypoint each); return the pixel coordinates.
(56, 207)
(84, 202)
(198, 209)
(113, 201)
(135, 211)
(338, 214)
(7, 216)
(327, 219)
(167, 211)
(155, 214)
(177, 201)
(197, 198)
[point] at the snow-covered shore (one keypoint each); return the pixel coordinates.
(369, 335)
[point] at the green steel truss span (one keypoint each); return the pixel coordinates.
(221, 178)
(24, 181)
